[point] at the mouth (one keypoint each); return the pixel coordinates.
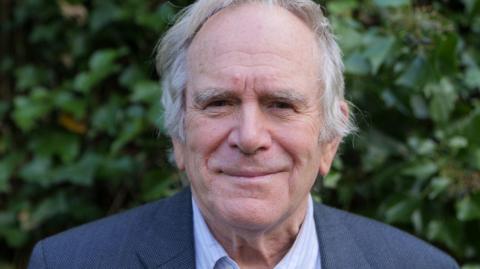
(250, 174)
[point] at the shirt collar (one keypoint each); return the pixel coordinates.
(304, 252)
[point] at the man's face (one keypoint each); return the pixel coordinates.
(253, 118)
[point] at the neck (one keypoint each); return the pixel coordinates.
(259, 248)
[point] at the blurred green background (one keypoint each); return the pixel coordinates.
(80, 117)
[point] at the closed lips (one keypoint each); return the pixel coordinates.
(247, 173)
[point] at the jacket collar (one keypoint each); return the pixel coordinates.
(168, 242)
(338, 248)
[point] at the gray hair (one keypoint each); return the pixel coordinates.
(172, 63)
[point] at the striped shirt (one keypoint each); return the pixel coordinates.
(209, 254)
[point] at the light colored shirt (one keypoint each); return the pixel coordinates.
(209, 254)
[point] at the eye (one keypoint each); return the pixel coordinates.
(281, 105)
(218, 103)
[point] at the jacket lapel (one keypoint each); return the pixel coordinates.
(168, 240)
(338, 248)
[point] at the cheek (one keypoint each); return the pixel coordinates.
(204, 136)
(300, 140)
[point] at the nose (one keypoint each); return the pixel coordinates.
(250, 134)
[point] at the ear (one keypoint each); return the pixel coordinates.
(328, 154)
(178, 150)
(329, 149)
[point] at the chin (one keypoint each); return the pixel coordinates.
(250, 213)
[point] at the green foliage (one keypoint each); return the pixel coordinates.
(80, 114)
(412, 71)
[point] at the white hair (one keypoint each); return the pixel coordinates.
(171, 63)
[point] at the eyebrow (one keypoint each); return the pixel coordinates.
(208, 94)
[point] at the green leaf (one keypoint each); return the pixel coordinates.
(357, 64)
(67, 102)
(37, 171)
(54, 143)
(378, 50)
(475, 158)
(4, 106)
(472, 77)
(30, 76)
(146, 91)
(114, 169)
(103, 14)
(7, 218)
(45, 210)
(443, 102)
(107, 117)
(350, 39)
(402, 210)
(341, 7)
(158, 184)
(391, 3)
(421, 169)
(444, 231)
(27, 110)
(415, 74)
(132, 75)
(419, 107)
(7, 167)
(445, 54)
(101, 65)
(331, 180)
(457, 142)
(438, 185)
(131, 129)
(81, 173)
(84, 81)
(14, 236)
(424, 147)
(469, 208)
(104, 60)
(468, 127)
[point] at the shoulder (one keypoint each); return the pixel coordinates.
(383, 245)
(116, 236)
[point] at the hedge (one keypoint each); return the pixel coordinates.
(81, 134)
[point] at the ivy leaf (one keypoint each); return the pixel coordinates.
(378, 50)
(46, 209)
(30, 76)
(357, 64)
(391, 3)
(472, 77)
(146, 91)
(55, 143)
(331, 180)
(101, 65)
(7, 167)
(38, 170)
(443, 101)
(402, 210)
(28, 109)
(420, 169)
(415, 74)
(438, 185)
(81, 173)
(469, 207)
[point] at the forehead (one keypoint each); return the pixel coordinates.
(253, 33)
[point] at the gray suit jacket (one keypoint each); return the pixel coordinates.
(160, 235)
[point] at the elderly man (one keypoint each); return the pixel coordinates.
(253, 96)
